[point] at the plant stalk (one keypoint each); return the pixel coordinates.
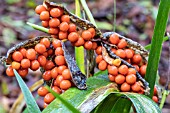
(79, 51)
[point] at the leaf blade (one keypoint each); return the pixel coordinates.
(30, 101)
(156, 44)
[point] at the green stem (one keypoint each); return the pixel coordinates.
(148, 47)
(79, 51)
(114, 23)
(165, 94)
(37, 27)
(87, 10)
(156, 44)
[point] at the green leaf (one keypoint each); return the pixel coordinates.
(30, 101)
(79, 51)
(156, 44)
(102, 95)
(107, 104)
(67, 104)
(40, 28)
(142, 103)
(98, 89)
(122, 105)
(119, 102)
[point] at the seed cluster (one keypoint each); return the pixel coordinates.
(49, 56)
(120, 73)
(61, 27)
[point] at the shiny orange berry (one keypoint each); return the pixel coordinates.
(61, 68)
(137, 58)
(47, 75)
(123, 69)
(86, 35)
(56, 12)
(155, 91)
(23, 72)
(99, 50)
(15, 65)
(49, 65)
(54, 22)
(50, 51)
(44, 16)
(45, 54)
(112, 70)
(92, 31)
(120, 79)
(73, 37)
(88, 45)
(136, 67)
(53, 31)
(142, 70)
(72, 27)
(39, 9)
(131, 79)
(64, 26)
(113, 50)
(25, 63)
(79, 42)
(56, 89)
(23, 51)
(45, 23)
(59, 51)
(42, 60)
(121, 53)
(129, 53)
(114, 39)
(42, 91)
(99, 58)
(62, 35)
(102, 65)
(125, 87)
(65, 84)
(60, 60)
(65, 18)
(111, 77)
(66, 74)
(58, 80)
(31, 54)
(94, 45)
(17, 56)
(122, 44)
(155, 99)
(131, 71)
(45, 105)
(46, 42)
(56, 43)
(54, 72)
(40, 48)
(136, 87)
(49, 98)
(10, 72)
(34, 65)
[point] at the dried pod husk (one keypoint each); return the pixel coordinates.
(138, 48)
(81, 24)
(26, 44)
(78, 78)
(109, 56)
